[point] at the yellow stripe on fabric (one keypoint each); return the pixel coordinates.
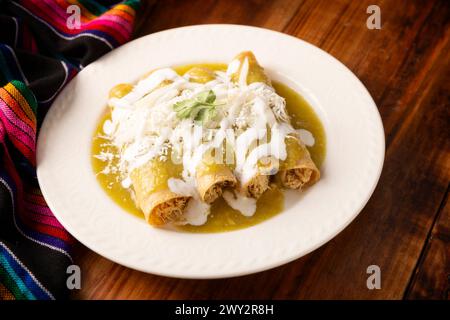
(21, 100)
(5, 294)
(126, 8)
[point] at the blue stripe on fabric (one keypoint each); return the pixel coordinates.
(27, 279)
(10, 270)
(41, 238)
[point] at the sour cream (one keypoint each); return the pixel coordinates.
(144, 125)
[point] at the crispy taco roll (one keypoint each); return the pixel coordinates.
(153, 196)
(298, 170)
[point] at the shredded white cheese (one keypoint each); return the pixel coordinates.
(144, 125)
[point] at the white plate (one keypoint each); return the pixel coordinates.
(355, 153)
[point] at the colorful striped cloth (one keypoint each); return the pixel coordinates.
(40, 51)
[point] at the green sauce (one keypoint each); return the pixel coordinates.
(222, 217)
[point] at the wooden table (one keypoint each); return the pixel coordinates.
(405, 227)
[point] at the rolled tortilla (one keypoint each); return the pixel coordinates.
(120, 90)
(152, 194)
(212, 178)
(255, 72)
(150, 183)
(298, 170)
(256, 186)
(200, 74)
(259, 183)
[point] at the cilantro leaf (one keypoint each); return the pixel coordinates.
(200, 108)
(207, 97)
(205, 114)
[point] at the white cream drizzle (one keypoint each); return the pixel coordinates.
(144, 86)
(243, 74)
(144, 126)
(233, 67)
(307, 137)
(196, 212)
(275, 150)
(245, 205)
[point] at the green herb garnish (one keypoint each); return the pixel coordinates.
(200, 108)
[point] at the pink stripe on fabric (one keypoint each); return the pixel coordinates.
(121, 21)
(8, 112)
(39, 209)
(9, 117)
(56, 9)
(2, 132)
(42, 219)
(51, 10)
(105, 20)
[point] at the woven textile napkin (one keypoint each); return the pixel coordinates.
(43, 44)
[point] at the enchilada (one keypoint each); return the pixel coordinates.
(162, 113)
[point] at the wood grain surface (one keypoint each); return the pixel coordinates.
(405, 227)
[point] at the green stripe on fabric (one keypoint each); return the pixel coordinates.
(10, 283)
(132, 3)
(27, 94)
(20, 284)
